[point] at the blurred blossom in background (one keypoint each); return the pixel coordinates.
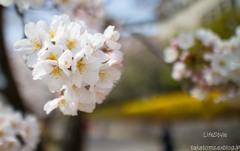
(148, 110)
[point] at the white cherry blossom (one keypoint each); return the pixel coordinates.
(37, 40)
(170, 55)
(83, 66)
(185, 40)
(179, 70)
(112, 37)
(85, 69)
(17, 133)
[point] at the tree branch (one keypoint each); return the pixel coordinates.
(11, 91)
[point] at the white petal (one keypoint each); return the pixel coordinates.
(113, 45)
(54, 85)
(77, 79)
(51, 105)
(65, 60)
(30, 31)
(32, 59)
(66, 71)
(23, 46)
(43, 68)
(109, 31)
(97, 40)
(90, 77)
(69, 108)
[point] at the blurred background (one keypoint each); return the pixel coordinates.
(147, 110)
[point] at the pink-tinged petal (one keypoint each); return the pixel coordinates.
(113, 45)
(97, 40)
(86, 107)
(115, 74)
(109, 32)
(23, 46)
(101, 56)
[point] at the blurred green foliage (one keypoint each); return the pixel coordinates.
(225, 23)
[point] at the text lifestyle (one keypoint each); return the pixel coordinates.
(215, 134)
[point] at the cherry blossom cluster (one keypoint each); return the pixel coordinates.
(24, 4)
(206, 63)
(82, 66)
(17, 133)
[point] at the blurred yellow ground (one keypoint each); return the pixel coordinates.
(171, 106)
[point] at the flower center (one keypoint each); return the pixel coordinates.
(71, 43)
(74, 87)
(56, 73)
(37, 44)
(52, 56)
(52, 33)
(81, 66)
(61, 103)
(102, 75)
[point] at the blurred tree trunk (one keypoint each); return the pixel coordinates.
(11, 92)
(75, 134)
(167, 138)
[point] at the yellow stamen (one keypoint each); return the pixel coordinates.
(61, 103)
(71, 43)
(52, 56)
(102, 75)
(56, 73)
(37, 44)
(52, 33)
(81, 66)
(74, 87)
